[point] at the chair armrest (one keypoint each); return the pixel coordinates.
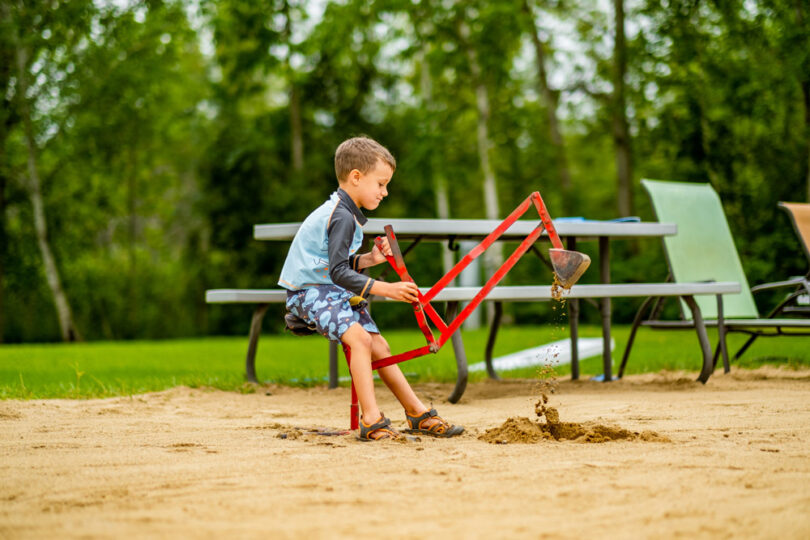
(778, 284)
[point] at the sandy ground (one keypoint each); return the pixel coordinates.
(205, 463)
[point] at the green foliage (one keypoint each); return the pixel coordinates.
(166, 130)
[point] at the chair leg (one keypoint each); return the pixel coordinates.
(636, 322)
(573, 320)
(776, 311)
(493, 333)
(354, 408)
(461, 356)
(721, 335)
(745, 346)
(253, 341)
(703, 338)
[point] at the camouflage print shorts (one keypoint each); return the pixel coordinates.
(328, 307)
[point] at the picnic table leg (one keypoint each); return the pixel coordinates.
(703, 337)
(573, 320)
(604, 276)
(573, 323)
(253, 342)
(461, 357)
(493, 333)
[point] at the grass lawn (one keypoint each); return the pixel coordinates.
(105, 369)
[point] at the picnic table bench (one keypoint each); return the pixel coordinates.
(262, 298)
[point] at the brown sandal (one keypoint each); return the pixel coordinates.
(381, 429)
(439, 427)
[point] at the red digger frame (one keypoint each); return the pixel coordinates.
(423, 310)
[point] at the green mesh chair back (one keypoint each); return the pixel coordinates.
(703, 248)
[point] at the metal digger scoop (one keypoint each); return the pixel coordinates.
(568, 265)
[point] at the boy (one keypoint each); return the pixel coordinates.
(326, 290)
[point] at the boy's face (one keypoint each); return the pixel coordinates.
(372, 187)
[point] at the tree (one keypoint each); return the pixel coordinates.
(551, 102)
(621, 131)
(296, 133)
(26, 35)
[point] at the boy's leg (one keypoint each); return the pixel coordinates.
(421, 420)
(394, 379)
(360, 342)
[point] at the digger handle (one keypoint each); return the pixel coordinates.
(401, 272)
(546, 219)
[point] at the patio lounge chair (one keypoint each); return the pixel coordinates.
(800, 217)
(797, 301)
(704, 250)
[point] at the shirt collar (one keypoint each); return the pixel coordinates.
(358, 215)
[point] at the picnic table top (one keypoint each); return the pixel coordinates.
(460, 229)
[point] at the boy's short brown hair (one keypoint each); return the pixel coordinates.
(360, 153)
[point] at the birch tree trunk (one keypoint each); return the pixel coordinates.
(621, 132)
(66, 324)
(296, 131)
(132, 203)
(493, 256)
(133, 290)
(550, 99)
(437, 178)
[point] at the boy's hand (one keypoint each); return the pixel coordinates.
(378, 256)
(404, 291)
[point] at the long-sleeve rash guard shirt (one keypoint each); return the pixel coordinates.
(324, 250)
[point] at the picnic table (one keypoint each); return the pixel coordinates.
(571, 230)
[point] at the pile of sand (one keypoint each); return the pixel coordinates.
(524, 430)
(547, 426)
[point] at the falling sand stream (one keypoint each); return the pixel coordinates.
(546, 424)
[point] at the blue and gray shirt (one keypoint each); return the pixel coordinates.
(324, 250)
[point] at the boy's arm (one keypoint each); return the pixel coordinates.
(340, 232)
(365, 260)
(372, 258)
(343, 268)
(406, 291)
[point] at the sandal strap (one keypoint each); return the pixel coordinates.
(415, 422)
(440, 426)
(383, 425)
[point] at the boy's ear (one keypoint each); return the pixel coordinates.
(354, 176)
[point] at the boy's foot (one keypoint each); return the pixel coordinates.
(381, 429)
(430, 423)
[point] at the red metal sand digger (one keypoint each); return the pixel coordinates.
(568, 267)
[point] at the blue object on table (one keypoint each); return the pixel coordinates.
(574, 219)
(627, 219)
(569, 219)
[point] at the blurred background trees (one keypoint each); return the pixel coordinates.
(140, 141)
